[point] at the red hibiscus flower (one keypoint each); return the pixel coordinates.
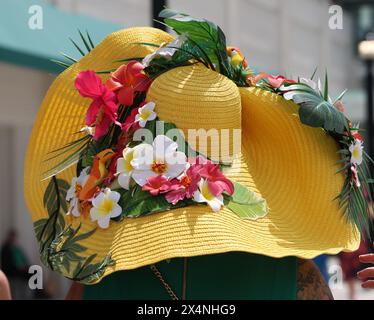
(103, 109)
(127, 80)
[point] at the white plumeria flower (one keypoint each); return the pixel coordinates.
(87, 129)
(204, 195)
(146, 113)
(72, 194)
(160, 158)
(105, 206)
(124, 168)
(356, 149)
(166, 51)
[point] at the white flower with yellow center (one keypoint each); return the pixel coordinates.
(356, 149)
(146, 113)
(204, 195)
(165, 51)
(160, 158)
(124, 168)
(105, 206)
(72, 194)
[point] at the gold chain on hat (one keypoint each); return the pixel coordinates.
(167, 287)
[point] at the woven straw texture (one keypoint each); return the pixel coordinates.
(291, 165)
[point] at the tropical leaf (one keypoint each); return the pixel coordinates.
(205, 35)
(38, 228)
(246, 203)
(354, 204)
(54, 196)
(314, 110)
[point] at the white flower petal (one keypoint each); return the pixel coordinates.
(124, 180)
(142, 123)
(140, 176)
(113, 195)
(82, 179)
(104, 222)
(98, 199)
(175, 170)
(152, 116)
(176, 158)
(198, 197)
(117, 210)
(142, 156)
(215, 204)
(94, 214)
(148, 106)
(121, 165)
(148, 58)
(75, 211)
(163, 145)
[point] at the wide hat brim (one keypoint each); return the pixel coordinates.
(289, 164)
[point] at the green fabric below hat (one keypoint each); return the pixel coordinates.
(233, 275)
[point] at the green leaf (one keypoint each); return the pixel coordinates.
(314, 73)
(55, 197)
(326, 92)
(314, 110)
(90, 40)
(204, 34)
(136, 202)
(246, 203)
(38, 228)
(85, 42)
(77, 47)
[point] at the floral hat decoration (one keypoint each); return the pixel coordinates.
(152, 147)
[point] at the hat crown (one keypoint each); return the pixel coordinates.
(202, 103)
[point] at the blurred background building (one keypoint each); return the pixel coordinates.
(288, 37)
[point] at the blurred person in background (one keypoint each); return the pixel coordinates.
(351, 264)
(367, 275)
(15, 265)
(4, 287)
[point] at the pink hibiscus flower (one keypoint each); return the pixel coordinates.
(156, 185)
(217, 182)
(127, 80)
(275, 81)
(103, 109)
(185, 186)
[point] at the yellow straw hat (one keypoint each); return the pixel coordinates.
(290, 165)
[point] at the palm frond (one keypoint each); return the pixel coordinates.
(88, 46)
(352, 200)
(73, 151)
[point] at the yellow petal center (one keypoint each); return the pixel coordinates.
(356, 153)
(127, 160)
(106, 207)
(206, 193)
